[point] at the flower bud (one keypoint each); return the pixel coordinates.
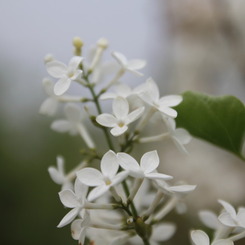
(102, 43)
(77, 42)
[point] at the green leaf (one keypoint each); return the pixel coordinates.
(218, 120)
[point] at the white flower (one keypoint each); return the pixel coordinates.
(121, 90)
(119, 122)
(104, 180)
(73, 124)
(180, 136)
(66, 74)
(75, 200)
(50, 105)
(131, 65)
(230, 217)
(147, 168)
(201, 238)
(149, 92)
(58, 174)
(79, 228)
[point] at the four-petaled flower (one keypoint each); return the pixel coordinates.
(201, 238)
(147, 168)
(230, 217)
(75, 200)
(66, 74)
(129, 65)
(104, 180)
(119, 122)
(149, 92)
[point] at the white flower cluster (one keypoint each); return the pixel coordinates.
(120, 200)
(228, 227)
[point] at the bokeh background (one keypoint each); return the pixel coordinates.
(189, 45)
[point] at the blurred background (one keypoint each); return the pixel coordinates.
(189, 45)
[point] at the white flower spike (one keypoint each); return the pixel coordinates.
(149, 93)
(121, 118)
(131, 65)
(147, 168)
(104, 180)
(66, 74)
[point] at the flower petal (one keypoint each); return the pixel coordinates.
(56, 176)
(69, 217)
(136, 64)
(226, 219)
(127, 162)
(158, 176)
(62, 85)
(73, 113)
(119, 178)
(49, 106)
(61, 126)
(116, 131)
(170, 100)
(168, 111)
(74, 62)
(209, 219)
(241, 217)
(199, 237)
(56, 69)
(80, 189)
(109, 164)
(228, 208)
(134, 115)
(69, 199)
(97, 192)
(223, 242)
(149, 161)
(90, 177)
(163, 232)
(120, 58)
(106, 120)
(120, 107)
(181, 189)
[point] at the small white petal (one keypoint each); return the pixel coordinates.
(241, 217)
(127, 162)
(97, 192)
(226, 219)
(49, 107)
(136, 64)
(73, 113)
(170, 100)
(80, 189)
(116, 131)
(76, 228)
(163, 232)
(119, 178)
(76, 75)
(149, 161)
(209, 219)
(56, 176)
(134, 115)
(229, 208)
(56, 69)
(69, 199)
(109, 165)
(199, 237)
(223, 242)
(168, 111)
(48, 86)
(120, 58)
(62, 86)
(90, 176)
(61, 126)
(74, 62)
(106, 120)
(69, 217)
(120, 107)
(181, 188)
(158, 176)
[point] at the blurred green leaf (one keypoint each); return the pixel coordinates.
(218, 120)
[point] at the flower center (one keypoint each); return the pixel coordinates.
(120, 124)
(107, 181)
